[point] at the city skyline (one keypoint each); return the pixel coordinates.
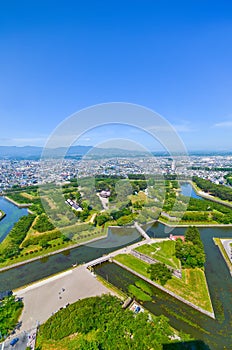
(173, 58)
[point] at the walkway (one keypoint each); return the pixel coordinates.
(43, 298)
(142, 232)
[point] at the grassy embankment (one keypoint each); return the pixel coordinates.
(163, 251)
(31, 246)
(2, 214)
(184, 287)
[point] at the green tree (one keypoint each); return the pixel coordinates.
(160, 272)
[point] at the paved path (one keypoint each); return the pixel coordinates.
(43, 298)
(227, 245)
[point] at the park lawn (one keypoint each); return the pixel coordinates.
(51, 203)
(192, 286)
(27, 195)
(140, 197)
(133, 263)
(163, 251)
(68, 343)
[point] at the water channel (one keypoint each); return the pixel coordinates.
(13, 214)
(187, 190)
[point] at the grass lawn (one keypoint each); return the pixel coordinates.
(192, 286)
(68, 343)
(133, 263)
(162, 251)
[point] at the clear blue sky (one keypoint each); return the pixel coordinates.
(174, 57)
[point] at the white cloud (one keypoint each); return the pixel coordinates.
(24, 141)
(225, 124)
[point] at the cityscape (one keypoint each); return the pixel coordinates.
(28, 172)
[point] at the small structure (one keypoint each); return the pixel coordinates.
(136, 308)
(174, 238)
(105, 194)
(73, 204)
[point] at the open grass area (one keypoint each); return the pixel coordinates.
(133, 263)
(163, 251)
(192, 286)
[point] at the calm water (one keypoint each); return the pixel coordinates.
(45, 267)
(216, 333)
(187, 190)
(13, 214)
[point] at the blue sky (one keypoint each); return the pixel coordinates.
(174, 57)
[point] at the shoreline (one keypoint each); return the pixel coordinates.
(2, 214)
(208, 196)
(9, 267)
(219, 244)
(193, 224)
(198, 308)
(5, 268)
(19, 205)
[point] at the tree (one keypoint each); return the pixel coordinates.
(191, 252)
(160, 272)
(192, 234)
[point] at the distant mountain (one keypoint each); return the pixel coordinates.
(75, 152)
(34, 153)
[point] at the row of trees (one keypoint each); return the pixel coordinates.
(219, 191)
(11, 245)
(191, 252)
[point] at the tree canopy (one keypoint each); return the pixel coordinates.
(101, 323)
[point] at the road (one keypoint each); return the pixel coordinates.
(20, 345)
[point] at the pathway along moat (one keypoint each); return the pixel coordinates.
(217, 334)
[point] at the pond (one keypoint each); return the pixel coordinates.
(13, 214)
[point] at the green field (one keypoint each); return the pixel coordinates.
(133, 263)
(162, 251)
(192, 286)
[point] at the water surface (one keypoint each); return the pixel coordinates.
(13, 214)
